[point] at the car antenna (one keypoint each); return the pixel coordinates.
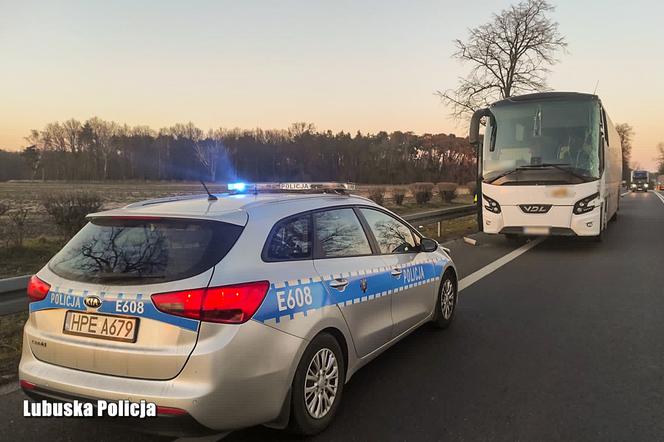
(210, 196)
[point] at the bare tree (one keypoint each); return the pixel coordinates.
(660, 158)
(102, 138)
(626, 134)
(509, 55)
(300, 128)
(210, 151)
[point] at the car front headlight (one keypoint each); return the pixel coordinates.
(645, 185)
(585, 205)
(490, 204)
(633, 185)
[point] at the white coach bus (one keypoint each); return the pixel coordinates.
(549, 164)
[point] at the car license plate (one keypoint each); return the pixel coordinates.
(536, 230)
(97, 325)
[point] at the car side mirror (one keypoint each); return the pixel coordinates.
(428, 245)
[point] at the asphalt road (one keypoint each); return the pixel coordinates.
(13, 302)
(565, 342)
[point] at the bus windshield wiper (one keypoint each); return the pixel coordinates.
(500, 175)
(560, 166)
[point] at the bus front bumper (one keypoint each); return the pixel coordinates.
(558, 221)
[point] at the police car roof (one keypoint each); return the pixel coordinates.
(230, 207)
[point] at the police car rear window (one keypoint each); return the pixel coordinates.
(143, 251)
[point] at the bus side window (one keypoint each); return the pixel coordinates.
(605, 127)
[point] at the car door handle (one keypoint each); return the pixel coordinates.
(339, 284)
(396, 273)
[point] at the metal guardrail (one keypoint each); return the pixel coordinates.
(441, 214)
(438, 216)
(10, 285)
(12, 295)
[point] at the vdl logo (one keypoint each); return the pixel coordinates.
(92, 301)
(535, 208)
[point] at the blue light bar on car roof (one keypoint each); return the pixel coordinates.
(238, 187)
(291, 187)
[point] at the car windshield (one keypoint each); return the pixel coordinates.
(640, 175)
(128, 251)
(540, 133)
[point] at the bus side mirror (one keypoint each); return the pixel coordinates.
(474, 135)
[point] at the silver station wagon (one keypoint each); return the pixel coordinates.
(249, 307)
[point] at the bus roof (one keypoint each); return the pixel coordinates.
(547, 96)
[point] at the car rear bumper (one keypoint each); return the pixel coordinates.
(559, 220)
(233, 379)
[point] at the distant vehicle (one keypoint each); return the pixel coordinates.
(640, 181)
(549, 164)
(660, 182)
(232, 310)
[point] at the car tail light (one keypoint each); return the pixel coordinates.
(37, 289)
(26, 385)
(230, 304)
(170, 411)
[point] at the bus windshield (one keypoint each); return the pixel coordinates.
(639, 175)
(543, 134)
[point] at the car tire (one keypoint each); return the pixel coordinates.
(305, 401)
(446, 301)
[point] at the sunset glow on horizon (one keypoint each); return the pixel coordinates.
(343, 66)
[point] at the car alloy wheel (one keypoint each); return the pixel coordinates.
(321, 383)
(447, 299)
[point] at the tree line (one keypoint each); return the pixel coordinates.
(96, 149)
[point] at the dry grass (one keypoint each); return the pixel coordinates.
(451, 228)
(36, 252)
(11, 328)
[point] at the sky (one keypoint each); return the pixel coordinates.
(342, 65)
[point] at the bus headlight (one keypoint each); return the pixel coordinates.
(645, 185)
(490, 204)
(585, 205)
(633, 185)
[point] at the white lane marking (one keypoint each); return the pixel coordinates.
(492, 267)
(659, 195)
(625, 193)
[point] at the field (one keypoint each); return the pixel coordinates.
(42, 239)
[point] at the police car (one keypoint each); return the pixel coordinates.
(249, 307)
